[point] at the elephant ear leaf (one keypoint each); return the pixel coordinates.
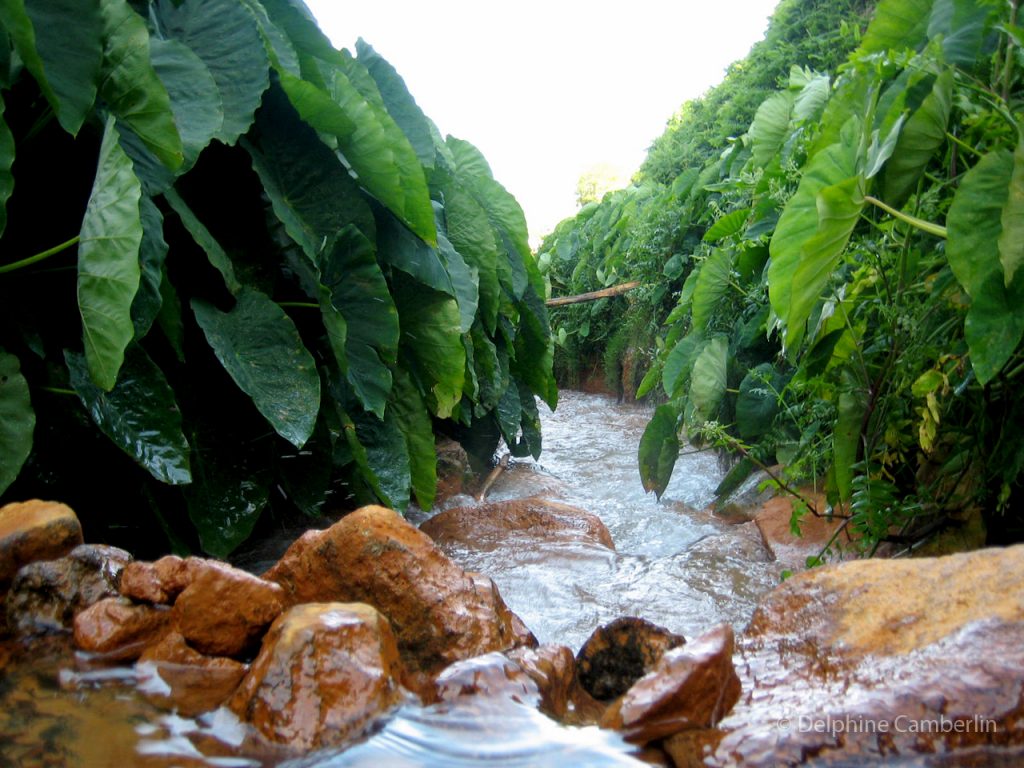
(17, 420)
(260, 348)
(659, 449)
(108, 261)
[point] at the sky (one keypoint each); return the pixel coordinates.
(547, 90)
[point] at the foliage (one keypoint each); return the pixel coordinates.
(286, 280)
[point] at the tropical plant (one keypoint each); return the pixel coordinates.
(242, 271)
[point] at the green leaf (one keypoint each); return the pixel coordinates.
(897, 24)
(217, 256)
(261, 349)
(1011, 240)
(811, 98)
(108, 261)
(304, 474)
(470, 233)
(224, 34)
(6, 162)
(679, 362)
(400, 248)
(17, 420)
(707, 380)
(139, 415)
(964, 26)
(659, 449)
(922, 136)
(491, 367)
(757, 402)
(152, 252)
(130, 86)
(195, 101)
(60, 43)
(349, 270)
(994, 324)
(770, 128)
(169, 317)
(727, 225)
(414, 422)
(379, 449)
(711, 285)
(535, 348)
(465, 280)
(276, 43)
(846, 437)
(311, 192)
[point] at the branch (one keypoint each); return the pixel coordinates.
(604, 293)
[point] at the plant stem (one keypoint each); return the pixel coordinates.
(59, 391)
(921, 224)
(963, 144)
(39, 256)
(299, 304)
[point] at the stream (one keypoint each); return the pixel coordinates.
(674, 565)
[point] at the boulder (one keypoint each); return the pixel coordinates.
(119, 629)
(439, 612)
(490, 525)
(691, 687)
(553, 669)
(224, 611)
(454, 474)
(876, 660)
(618, 654)
(791, 552)
(158, 582)
(46, 595)
(176, 676)
(35, 530)
(491, 676)
(324, 675)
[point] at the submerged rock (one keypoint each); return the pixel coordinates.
(46, 595)
(491, 676)
(174, 675)
(325, 673)
(35, 530)
(877, 659)
(490, 525)
(618, 654)
(439, 612)
(553, 669)
(119, 629)
(691, 687)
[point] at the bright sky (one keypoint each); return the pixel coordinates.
(547, 89)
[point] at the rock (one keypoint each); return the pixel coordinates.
(791, 551)
(46, 595)
(176, 676)
(553, 669)
(439, 612)
(454, 474)
(490, 525)
(618, 654)
(223, 611)
(693, 686)
(876, 660)
(157, 582)
(119, 629)
(35, 530)
(491, 676)
(324, 675)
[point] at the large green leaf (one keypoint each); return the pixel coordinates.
(108, 261)
(470, 234)
(279, 48)
(311, 192)
(846, 437)
(130, 86)
(379, 448)
(195, 101)
(711, 284)
(139, 415)
(61, 44)
(897, 24)
(217, 256)
(465, 280)
(414, 422)
(349, 270)
(995, 323)
(6, 162)
(964, 26)
(770, 128)
(304, 474)
(152, 252)
(1011, 240)
(708, 378)
(260, 348)
(17, 420)
(659, 449)
(727, 225)
(431, 336)
(491, 368)
(224, 34)
(757, 401)
(679, 363)
(535, 348)
(400, 248)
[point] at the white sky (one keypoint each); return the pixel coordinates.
(548, 89)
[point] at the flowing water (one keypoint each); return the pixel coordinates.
(673, 564)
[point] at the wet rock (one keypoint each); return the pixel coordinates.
(693, 686)
(877, 660)
(158, 582)
(46, 595)
(223, 611)
(491, 676)
(439, 612)
(553, 669)
(454, 474)
(176, 676)
(35, 530)
(324, 674)
(790, 551)
(618, 654)
(490, 525)
(119, 629)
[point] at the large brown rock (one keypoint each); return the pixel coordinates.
(35, 530)
(816, 532)
(553, 669)
(690, 687)
(619, 653)
(439, 612)
(325, 673)
(176, 676)
(491, 676)
(160, 581)
(883, 659)
(487, 526)
(119, 629)
(224, 611)
(46, 595)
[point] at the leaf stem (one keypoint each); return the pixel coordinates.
(59, 391)
(39, 256)
(921, 224)
(299, 304)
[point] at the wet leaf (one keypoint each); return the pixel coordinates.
(757, 402)
(659, 449)
(414, 421)
(152, 252)
(17, 419)
(707, 381)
